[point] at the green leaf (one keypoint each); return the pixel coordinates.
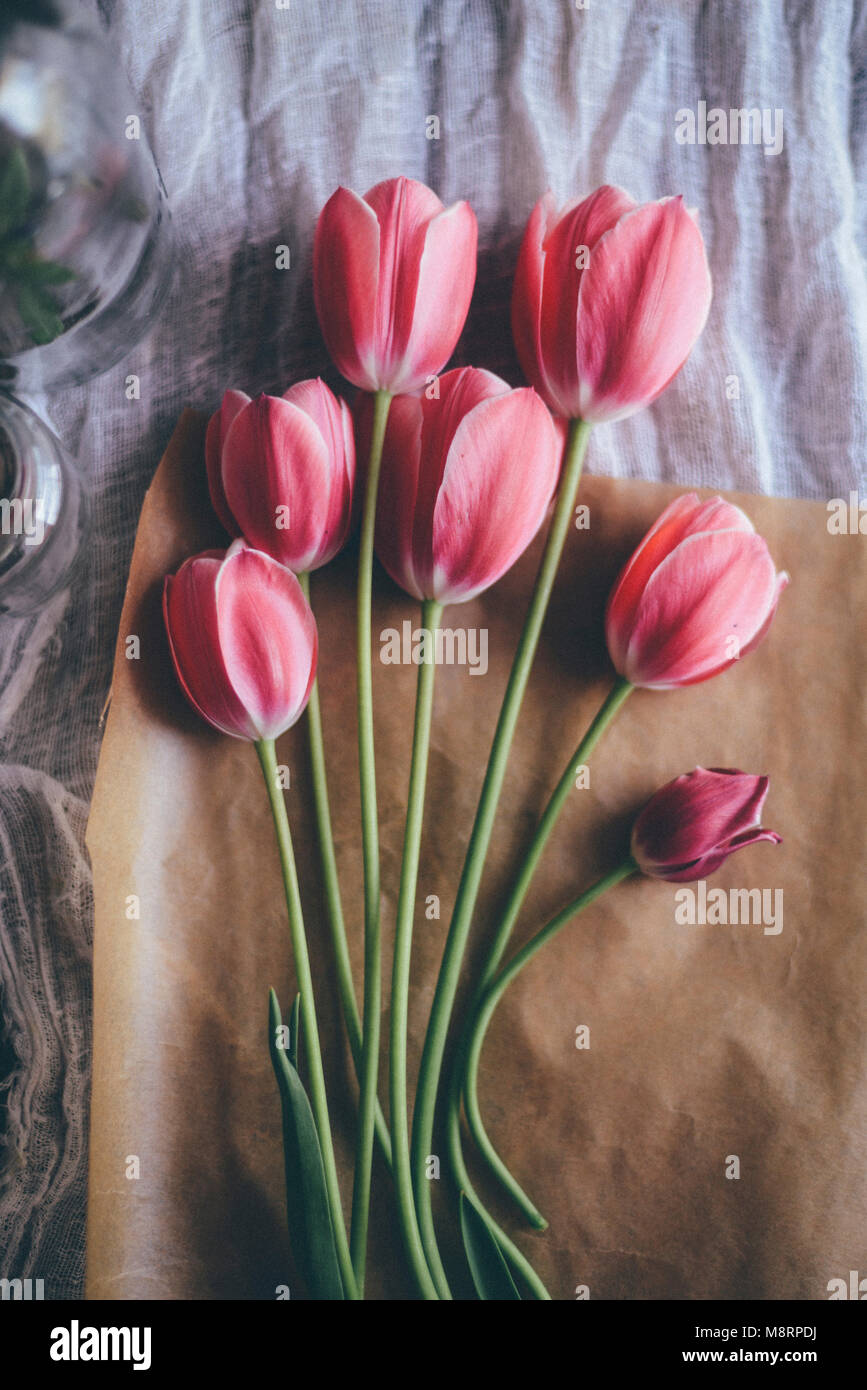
(489, 1270)
(309, 1214)
(295, 1031)
(14, 190)
(38, 313)
(37, 272)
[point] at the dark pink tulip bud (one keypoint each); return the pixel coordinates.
(691, 825)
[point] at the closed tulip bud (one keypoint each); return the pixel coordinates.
(243, 641)
(466, 481)
(700, 592)
(609, 298)
(691, 825)
(393, 275)
(286, 473)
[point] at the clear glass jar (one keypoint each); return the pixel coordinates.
(43, 510)
(85, 235)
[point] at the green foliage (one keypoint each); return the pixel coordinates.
(29, 277)
(310, 1227)
(489, 1270)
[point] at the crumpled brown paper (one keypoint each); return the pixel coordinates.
(707, 1042)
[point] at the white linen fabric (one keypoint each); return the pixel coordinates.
(256, 110)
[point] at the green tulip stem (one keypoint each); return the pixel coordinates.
(604, 716)
(484, 1013)
(462, 916)
(331, 881)
(370, 850)
(431, 615)
(316, 1074)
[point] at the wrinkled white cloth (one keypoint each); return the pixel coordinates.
(256, 112)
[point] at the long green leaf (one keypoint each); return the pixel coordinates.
(295, 1032)
(489, 1270)
(310, 1228)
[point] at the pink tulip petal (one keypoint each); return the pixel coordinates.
(460, 391)
(781, 583)
(190, 613)
(683, 517)
(527, 297)
(577, 229)
(277, 469)
(404, 208)
(218, 428)
(334, 420)
(268, 637)
(709, 863)
(346, 257)
(444, 288)
(711, 588)
(642, 303)
(500, 474)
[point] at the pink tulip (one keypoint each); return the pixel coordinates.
(393, 276)
(691, 825)
(609, 298)
(465, 485)
(698, 593)
(243, 641)
(284, 472)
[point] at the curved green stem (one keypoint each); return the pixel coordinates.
(449, 974)
(519, 1262)
(604, 716)
(316, 1074)
(608, 710)
(485, 1012)
(431, 615)
(370, 845)
(331, 883)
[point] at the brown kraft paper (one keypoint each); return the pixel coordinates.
(707, 1043)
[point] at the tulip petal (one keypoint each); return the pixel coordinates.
(333, 417)
(527, 297)
(781, 584)
(268, 638)
(346, 255)
(699, 812)
(702, 607)
(331, 414)
(190, 613)
(577, 230)
(444, 288)
(278, 479)
(642, 302)
(218, 428)
(683, 517)
(403, 208)
(500, 474)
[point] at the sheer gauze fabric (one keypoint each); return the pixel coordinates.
(255, 114)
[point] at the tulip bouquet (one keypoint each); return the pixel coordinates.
(460, 472)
